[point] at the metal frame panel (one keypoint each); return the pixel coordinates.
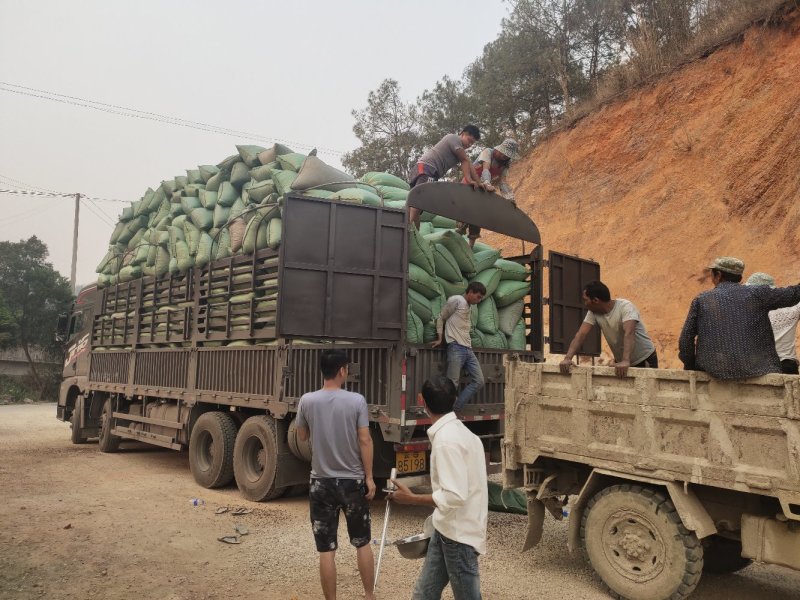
(568, 276)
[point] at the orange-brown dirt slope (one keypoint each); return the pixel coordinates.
(701, 163)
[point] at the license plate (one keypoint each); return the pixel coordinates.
(410, 462)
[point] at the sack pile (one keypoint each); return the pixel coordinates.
(234, 207)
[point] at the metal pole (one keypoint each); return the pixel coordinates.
(75, 243)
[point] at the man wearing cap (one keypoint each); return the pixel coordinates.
(492, 168)
(784, 327)
(727, 332)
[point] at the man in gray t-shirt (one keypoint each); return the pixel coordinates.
(622, 328)
(337, 423)
(438, 160)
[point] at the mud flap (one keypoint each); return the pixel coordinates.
(535, 523)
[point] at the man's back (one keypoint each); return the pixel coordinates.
(333, 417)
(734, 334)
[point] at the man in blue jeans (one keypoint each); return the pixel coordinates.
(460, 495)
(456, 322)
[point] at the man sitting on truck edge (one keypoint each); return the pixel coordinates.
(460, 495)
(727, 332)
(438, 160)
(784, 327)
(622, 328)
(456, 322)
(337, 422)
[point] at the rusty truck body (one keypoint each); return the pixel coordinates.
(670, 472)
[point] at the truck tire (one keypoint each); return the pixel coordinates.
(255, 459)
(77, 436)
(638, 545)
(108, 441)
(211, 449)
(723, 555)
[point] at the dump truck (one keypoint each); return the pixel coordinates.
(158, 360)
(667, 473)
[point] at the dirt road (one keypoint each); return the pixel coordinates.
(80, 524)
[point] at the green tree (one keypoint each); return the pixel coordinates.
(34, 294)
(6, 324)
(446, 108)
(388, 130)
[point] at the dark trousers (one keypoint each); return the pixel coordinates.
(789, 367)
(651, 362)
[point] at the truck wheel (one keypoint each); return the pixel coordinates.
(108, 441)
(77, 436)
(723, 555)
(638, 546)
(255, 459)
(211, 449)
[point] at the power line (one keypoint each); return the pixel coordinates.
(99, 213)
(35, 193)
(151, 116)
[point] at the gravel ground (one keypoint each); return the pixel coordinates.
(81, 524)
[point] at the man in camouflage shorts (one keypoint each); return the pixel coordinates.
(337, 423)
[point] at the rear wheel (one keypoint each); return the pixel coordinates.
(723, 555)
(638, 545)
(255, 459)
(211, 449)
(108, 441)
(77, 436)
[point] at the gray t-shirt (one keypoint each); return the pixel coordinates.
(442, 157)
(333, 417)
(611, 326)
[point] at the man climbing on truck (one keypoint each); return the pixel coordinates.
(784, 327)
(341, 470)
(622, 327)
(456, 323)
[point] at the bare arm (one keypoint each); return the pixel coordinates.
(365, 445)
(686, 342)
(575, 345)
(403, 495)
(629, 330)
(467, 169)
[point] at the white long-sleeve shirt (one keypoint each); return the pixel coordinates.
(456, 319)
(458, 479)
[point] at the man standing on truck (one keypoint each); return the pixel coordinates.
(460, 495)
(337, 423)
(448, 152)
(784, 327)
(622, 327)
(727, 332)
(456, 322)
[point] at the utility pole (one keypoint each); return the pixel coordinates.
(75, 243)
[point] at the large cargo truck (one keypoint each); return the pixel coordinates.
(670, 472)
(216, 360)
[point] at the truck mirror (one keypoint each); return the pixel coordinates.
(61, 327)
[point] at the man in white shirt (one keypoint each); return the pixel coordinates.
(460, 495)
(456, 322)
(622, 328)
(784, 327)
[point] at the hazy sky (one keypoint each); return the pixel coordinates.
(288, 70)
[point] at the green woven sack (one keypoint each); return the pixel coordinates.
(476, 337)
(397, 204)
(193, 176)
(473, 315)
(203, 218)
(495, 341)
(127, 214)
(168, 185)
(130, 273)
(283, 181)
(485, 259)
(204, 249)
(458, 247)
(193, 189)
(240, 174)
(140, 254)
(509, 292)
(191, 236)
(358, 196)
(456, 288)
(189, 203)
(249, 154)
(420, 305)
(377, 178)
(322, 194)
(414, 329)
(259, 190)
(222, 245)
(438, 303)
(175, 235)
(487, 316)
(510, 270)
(221, 215)
(274, 232)
(180, 182)
(388, 192)
(261, 172)
(183, 256)
(131, 229)
(490, 278)
(429, 333)
(162, 261)
(419, 250)
(426, 228)
(115, 235)
(208, 199)
(292, 161)
(179, 220)
(517, 339)
(443, 222)
(508, 316)
(421, 281)
(256, 233)
(227, 194)
(271, 154)
(207, 172)
(447, 268)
